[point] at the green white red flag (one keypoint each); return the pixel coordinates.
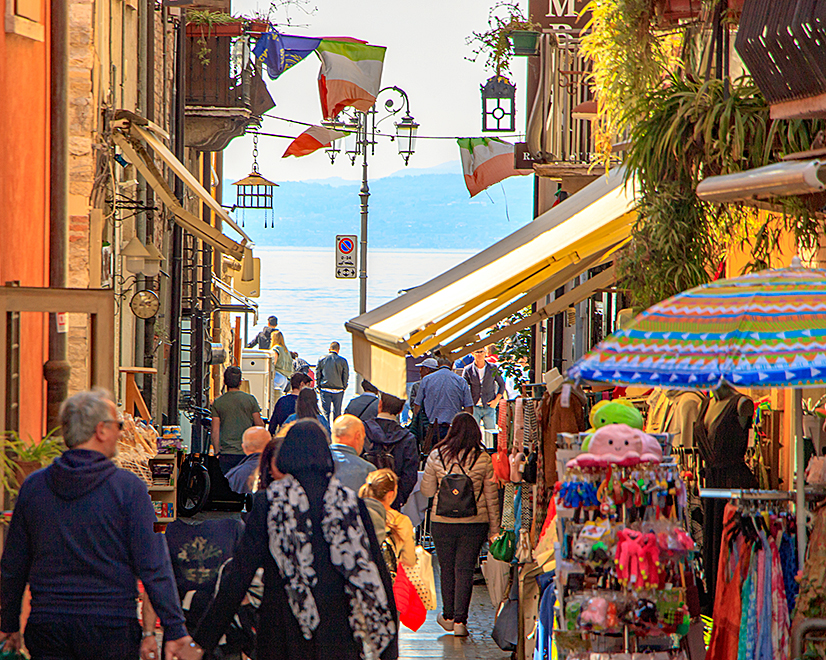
(350, 75)
(313, 139)
(486, 161)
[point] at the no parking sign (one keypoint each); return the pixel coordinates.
(346, 257)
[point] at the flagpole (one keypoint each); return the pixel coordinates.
(364, 195)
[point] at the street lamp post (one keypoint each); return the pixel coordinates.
(362, 128)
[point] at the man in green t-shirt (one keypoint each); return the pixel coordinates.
(232, 413)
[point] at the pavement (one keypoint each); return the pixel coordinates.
(431, 641)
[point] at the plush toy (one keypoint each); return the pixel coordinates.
(611, 618)
(595, 614)
(618, 411)
(645, 613)
(627, 557)
(651, 452)
(617, 444)
(649, 562)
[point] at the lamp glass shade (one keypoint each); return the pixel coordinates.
(136, 255)
(406, 131)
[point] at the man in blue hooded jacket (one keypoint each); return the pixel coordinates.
(81, 536)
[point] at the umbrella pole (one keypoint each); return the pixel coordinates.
(800, 502)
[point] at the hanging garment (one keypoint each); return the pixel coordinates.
(530, 432)
(788, 563)
(780, 612)
(728, 599)
(748, 613)
(764, 619)
(723, 447)
(558, 419)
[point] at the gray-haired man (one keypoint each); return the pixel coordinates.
(81, 536)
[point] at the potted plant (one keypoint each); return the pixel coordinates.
(509, 33)
(209, 24)
(20, 458)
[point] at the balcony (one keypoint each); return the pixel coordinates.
(223, 95)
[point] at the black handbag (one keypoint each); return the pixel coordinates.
(506, 628)
(529, 471)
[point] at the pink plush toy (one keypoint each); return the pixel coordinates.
(650, 562)
(651, 452)
(595, 614)
(627, 558)
(618, 444)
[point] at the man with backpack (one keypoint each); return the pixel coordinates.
(389, 445)
(364, 406)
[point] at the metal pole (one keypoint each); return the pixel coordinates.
(364, 194)
(800, 494)
(57, 370)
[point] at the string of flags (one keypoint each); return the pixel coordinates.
(350, 76)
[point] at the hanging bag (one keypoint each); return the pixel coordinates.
(421, 577)
(503, 547)
(506, 628)
(456, 496)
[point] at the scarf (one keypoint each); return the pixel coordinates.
(290, 530)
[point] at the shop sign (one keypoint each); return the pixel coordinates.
(560, 14)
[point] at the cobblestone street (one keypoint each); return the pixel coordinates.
(431, 642)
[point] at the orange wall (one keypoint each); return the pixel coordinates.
(24, 219)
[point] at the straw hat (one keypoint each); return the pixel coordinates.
(553, 380)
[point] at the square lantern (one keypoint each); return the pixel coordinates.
(254, 192)
(498, 105)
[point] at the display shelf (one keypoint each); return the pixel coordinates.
(166, 495)
(161, 489)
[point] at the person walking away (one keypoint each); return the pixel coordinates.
(390, 445)
(458, 540)
(365, 406)
(232, 413)
(285, 406)
(419, 424)
(383, 485)
(263, 339)
(443, 395)
(306, 407)
(327, 593)
(81, 536)
(487, 387)
(332, 374)
(347, 443)
(300, 365)
(253, 442)
(283, 364)
(413, 376)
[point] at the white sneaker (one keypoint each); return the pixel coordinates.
(460, 630)
(447, 624)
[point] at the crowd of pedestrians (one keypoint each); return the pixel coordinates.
(308, 572)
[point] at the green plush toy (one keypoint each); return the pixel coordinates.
(618, 411)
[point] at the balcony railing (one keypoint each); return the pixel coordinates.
(212, 77)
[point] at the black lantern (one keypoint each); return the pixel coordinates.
(498, 105)
(254, 191)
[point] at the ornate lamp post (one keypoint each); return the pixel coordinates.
(361, 142)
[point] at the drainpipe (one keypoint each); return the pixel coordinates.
(176, 255)
(57, 370)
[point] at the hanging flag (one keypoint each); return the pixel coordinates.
(486, 161)
(313, 139)
(281, 51)
(350, 75)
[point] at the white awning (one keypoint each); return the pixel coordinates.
(448, 312)
(132, 147)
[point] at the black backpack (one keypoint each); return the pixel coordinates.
(380, 456)
(456, 498)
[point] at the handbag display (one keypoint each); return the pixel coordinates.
(503, 546)
(421, 577)
(506, 628)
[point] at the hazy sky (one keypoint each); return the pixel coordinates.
(426, 53)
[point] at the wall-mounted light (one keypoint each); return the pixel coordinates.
(152, 265)
(136, 256)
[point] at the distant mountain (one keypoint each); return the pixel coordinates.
(418, 211)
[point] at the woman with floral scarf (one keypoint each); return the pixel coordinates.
(325, 593)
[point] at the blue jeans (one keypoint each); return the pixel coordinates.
(485, 416)
(405, 414)
(333, 399)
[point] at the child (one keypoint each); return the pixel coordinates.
(383, 485)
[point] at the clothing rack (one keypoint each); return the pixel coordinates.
(745, 494)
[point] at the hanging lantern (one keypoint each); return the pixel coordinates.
(406, 135)
(254, 191)
(498, 105)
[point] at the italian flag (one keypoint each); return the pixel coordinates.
(313, 139)
(350, 75)
(486, 161)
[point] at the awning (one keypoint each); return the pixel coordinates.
(448, 312)
(133, 149)
(790, 177)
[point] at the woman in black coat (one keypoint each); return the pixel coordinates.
(325, 594)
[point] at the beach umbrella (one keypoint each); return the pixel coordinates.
(764, 329)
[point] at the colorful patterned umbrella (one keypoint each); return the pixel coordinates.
(766, 329)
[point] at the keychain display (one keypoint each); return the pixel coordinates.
(625, 557)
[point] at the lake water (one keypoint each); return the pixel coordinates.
(298, 285)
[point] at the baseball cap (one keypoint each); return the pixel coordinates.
(430, 363)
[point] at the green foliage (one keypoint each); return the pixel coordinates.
(689, 129)
(207, 19)
(514, 351)
(504, 17)
(628, 59)
(16, 450)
